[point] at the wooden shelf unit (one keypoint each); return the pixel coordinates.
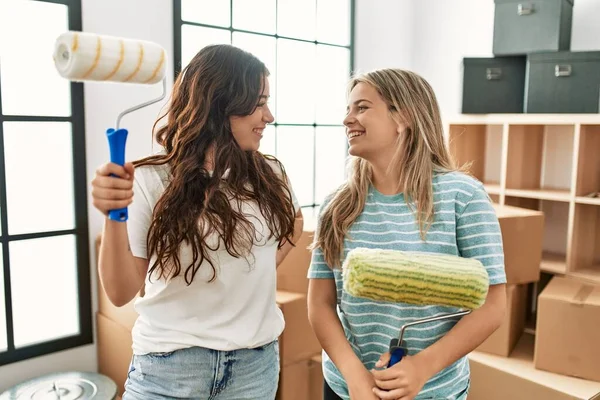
(546, 162)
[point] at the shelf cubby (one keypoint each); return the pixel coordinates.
(481, 146)
(588, 169)
(585, 257)
(545, 162)
(540, 159)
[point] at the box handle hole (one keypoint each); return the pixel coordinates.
(493, 73)
(525, 9)
(562, 70)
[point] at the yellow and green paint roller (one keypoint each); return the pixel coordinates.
(418, 279)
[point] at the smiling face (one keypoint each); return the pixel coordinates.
(371, 131)
(248, 129)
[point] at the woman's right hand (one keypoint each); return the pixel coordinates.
(361, 384)
(112, 192)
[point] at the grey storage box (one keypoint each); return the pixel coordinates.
(563, 82)
(493, 85)
(522, 27)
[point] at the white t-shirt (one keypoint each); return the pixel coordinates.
(236, 310)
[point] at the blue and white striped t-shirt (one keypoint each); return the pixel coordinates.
(465, 224)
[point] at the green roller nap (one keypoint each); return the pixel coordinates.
(415, 278)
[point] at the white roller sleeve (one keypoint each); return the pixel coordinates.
(80, 56)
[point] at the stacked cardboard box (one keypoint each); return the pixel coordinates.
(522, 235)
(301, 376)
(568, 322)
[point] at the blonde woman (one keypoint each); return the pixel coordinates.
(404, 192)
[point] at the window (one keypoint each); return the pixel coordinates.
(45, 302)
(307, 47)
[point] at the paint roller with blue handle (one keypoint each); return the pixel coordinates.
(82, 56)
(398, 348)
(415, 278)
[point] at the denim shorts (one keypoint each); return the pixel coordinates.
(203, 374)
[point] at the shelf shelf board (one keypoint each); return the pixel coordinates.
(595, 201)
(591, 274)
(541, 194)
(554, 263)
(524, 119)
(492, 187)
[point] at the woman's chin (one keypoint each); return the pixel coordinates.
(250, 147)
(369, 155)
(354, 151)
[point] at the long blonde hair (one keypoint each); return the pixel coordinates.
(420, 151)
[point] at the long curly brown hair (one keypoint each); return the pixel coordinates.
(219, 82)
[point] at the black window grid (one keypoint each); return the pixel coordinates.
(179, 22)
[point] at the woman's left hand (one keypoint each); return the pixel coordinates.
(402, 381)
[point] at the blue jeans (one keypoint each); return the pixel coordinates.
(203, 374)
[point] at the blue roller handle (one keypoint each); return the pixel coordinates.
(116, 143)
(397, 352)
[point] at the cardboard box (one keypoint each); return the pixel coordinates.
(292, 272)
(294, 381)
(505, 338)
(522, 236)
(315, 372)
(502, 378)
(114, 350)
(298, 341)
(568, 322)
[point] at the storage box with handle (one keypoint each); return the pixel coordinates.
(563, 82)
(493, 85)
(522, 27)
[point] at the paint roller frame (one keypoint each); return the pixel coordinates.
(117, 137)
(398, 348)
(116, 141)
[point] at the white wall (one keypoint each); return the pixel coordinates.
(446, 32)
(138, 19)
(586, 29)
(443, 32)
(384, 34)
